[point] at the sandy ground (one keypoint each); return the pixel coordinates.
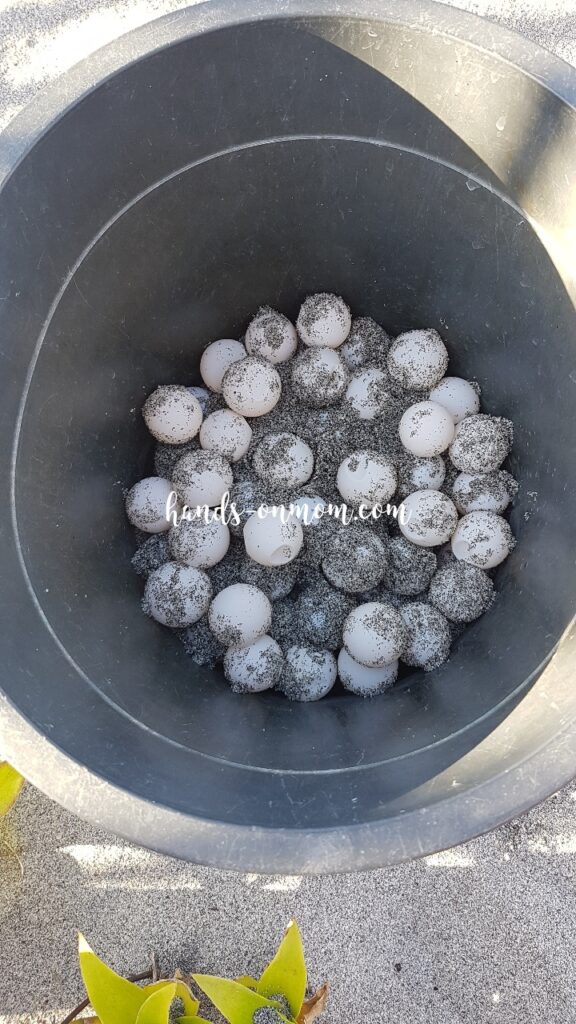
(480, 934)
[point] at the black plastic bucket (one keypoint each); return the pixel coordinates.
(421, 163)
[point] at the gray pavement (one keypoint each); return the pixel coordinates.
(480, 934)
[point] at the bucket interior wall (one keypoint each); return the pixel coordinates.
(161, 212)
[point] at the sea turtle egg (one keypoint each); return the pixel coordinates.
(324, 320)
(226, 432)
(251, 387)
(426, 429)
(239, 614)
(146, 504)
(172, 414)
(217, 358)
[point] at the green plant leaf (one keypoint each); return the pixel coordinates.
(115, 1000)
(248, 981)
(191, 1005)
(10, 785)
(235, 1002)
(156, 1007)
(286, 973)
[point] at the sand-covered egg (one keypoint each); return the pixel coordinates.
(177, 595)
(270, 541)
(202, 478)
(429, 518)
(366, 478)
(484, 492)
(426, 429)
(365, 681)
(461, 591)
(482, 538)
(146, 504)
(356, 560)
(324, 320)
(367, 343)
(251, 387)
(239, 614)
(428, 636)
(319, 377)
(418, 360)
(320, 613)
(481, 443)
(271, 336)
(374, 634)
(284, 460)
(420, 474)
(151, 554)
(368, 392)
(254, 668)
(308, 674)
(172, 414)
(460, 397)
(226, 432)
(409, 567)
(217, 358)
(199, 543)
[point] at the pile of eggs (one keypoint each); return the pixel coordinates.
(451, 525)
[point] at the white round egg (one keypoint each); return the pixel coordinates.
(254, 668)
(428, 636)
(177, 595)
(202, 478)
(324, 320)
(308, 510)
(284, 460)
(461, 591)
(319, 377)
(481, 443)
(146, 504)
(417, 474)
(309, 674)
(365, 681)
(368, 392)
(239, 614)
(226, 432)
(217, 358)
(428, 518)
(484, 492)
(271, 336)
(483, 539)
(418, 360)
(366, 478)
(198, 543)
(367, 343)
(269, 541)
(426, 429)
(172, 414)
(251, 387)
(458, 396)
(374, 634)
(355, 559)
